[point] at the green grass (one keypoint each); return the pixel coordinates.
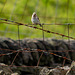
(46, 10)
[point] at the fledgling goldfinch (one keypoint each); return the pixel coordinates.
(35, 19)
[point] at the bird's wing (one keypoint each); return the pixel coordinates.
(38, 20)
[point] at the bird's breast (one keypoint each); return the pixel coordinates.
(35, 20)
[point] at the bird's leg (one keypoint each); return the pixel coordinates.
(40, 25)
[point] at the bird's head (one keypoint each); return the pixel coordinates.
(34, 14)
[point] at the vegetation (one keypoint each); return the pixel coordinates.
(49, 11)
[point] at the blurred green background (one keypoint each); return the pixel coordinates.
(49, 11)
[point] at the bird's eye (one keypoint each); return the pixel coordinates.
(34, 15)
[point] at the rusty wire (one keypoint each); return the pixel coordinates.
(19, 34)
(24, 66)
(28, 25)
(42, 52)
(39, 49)
(68, 30)
(35, 50)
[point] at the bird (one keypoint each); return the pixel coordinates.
(35, 19)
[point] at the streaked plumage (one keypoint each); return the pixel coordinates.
(35, 19)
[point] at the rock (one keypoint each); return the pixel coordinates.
(59, 71)
(5, 69)
(44, 71)
(56, 71)
(14, 74)
(71, 71)
(1, 72)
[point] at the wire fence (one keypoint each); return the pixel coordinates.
(10, 22)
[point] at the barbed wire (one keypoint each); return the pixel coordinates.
(58, 68)
(32, 26)
(28, 25)
(35, 50)
(40, 50)
(27, 66)
(19, 34)
(36, 67)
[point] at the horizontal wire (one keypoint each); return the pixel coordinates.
(25, 66)
(40, 50)
(17, 23)
(35, 50)
(39, 29)
(37, 67)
